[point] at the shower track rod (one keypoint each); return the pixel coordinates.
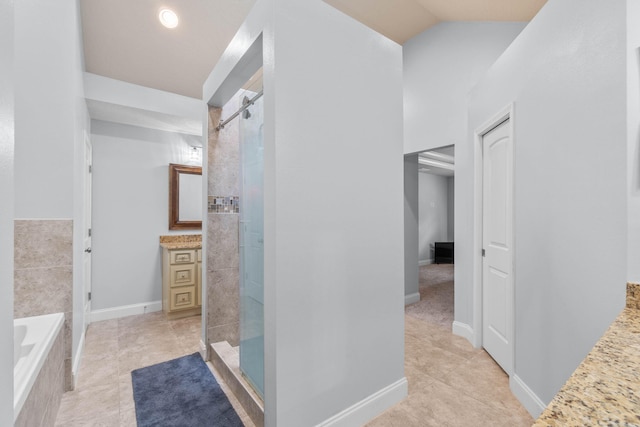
(223, 123)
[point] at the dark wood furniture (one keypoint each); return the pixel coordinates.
(443, 253)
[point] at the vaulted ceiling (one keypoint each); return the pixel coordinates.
(124, 39)
(400, 20)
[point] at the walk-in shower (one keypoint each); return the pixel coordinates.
(250, 228)
(252, 240)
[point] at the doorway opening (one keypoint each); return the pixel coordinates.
(235, 331)
(436, 174)
(437, 348)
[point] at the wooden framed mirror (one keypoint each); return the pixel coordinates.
(185, 197)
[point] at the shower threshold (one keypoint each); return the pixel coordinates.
(226, 360)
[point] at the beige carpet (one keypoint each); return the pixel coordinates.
(436, 296)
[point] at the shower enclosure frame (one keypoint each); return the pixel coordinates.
(251, 238)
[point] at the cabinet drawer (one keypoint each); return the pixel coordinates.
(182, 275)
(182, 297)
(184, 256)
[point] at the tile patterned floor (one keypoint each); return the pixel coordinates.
(104, 396)
(450, 382)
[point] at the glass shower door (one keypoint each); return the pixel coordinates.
(252, 244)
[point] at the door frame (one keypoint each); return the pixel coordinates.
(506, 113)
(87, 287)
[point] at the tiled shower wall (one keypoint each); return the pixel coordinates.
(43, 275)
(223, 288)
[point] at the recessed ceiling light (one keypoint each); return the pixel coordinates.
(168, 18)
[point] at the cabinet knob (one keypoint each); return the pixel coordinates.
(88, 250)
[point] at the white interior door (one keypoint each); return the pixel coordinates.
(497, 244)
(87, 232)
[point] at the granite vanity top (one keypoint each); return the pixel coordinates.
(605, 389)
(181, 241)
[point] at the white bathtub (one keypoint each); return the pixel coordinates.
(33, 338)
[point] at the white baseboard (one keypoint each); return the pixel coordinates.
(526, 396)
(465, 331)
(76, 361)
(125, 310)
(411, 298)
(370, 407)
(425, 262)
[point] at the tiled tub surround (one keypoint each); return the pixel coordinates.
(39, 377)
(605, 389)
(222, 276)
(43, 274)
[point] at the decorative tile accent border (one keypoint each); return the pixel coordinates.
(224, 204)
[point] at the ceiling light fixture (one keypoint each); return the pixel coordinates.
(168, 18)
(195, 154)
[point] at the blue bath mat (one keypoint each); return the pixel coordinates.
(181, 392)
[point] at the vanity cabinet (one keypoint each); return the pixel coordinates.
(181, 282)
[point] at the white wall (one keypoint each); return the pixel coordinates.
(333, 288)
(130, 210)
(330, 229)
(139, 132)
(117, 92)
(51, 121)
(433, 207)
(411, 229)
(46, 62)
(441, 66)
(633, 135)
(566, 75)
(116, 101)
(6, 213)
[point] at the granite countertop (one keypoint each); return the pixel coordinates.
(605, 389)
(182, 245)
(181, 241)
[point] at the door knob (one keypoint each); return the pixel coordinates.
(88, 250)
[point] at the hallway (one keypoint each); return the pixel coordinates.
(450, 382)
